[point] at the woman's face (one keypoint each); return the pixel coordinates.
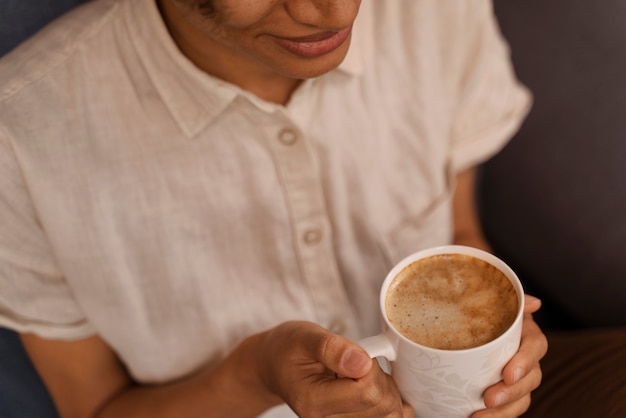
(290, 38)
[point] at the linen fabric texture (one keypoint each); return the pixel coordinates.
(173, 214)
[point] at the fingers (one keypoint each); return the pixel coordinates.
(363, 388)
(513, 409)
(304, 344)
(353, 362)
(511, 397)
(407, 411)
(304, 362)
(531, 304)
(533, 347)
(501, 395)
(342, 356)
(374, 395)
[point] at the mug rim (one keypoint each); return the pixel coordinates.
(453, 249)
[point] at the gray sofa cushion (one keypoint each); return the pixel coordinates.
(553, 202)
(20, 19)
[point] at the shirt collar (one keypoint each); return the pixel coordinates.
(193, 97)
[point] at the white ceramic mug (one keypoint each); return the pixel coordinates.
(446, 383)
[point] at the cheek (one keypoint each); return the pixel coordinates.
(243, 13)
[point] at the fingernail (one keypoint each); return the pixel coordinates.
(518, 374)
(501, 398)
(355, 361)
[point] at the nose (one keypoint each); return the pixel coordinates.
(328, 14)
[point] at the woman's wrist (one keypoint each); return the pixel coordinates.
(241, 377)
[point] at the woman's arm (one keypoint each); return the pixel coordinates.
(295, 362)
(86, 379)
(467, 228)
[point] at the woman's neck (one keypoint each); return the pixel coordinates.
(219, 61)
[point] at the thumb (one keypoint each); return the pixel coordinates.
(355, 363)
(344, 357)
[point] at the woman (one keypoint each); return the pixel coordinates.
(202, 198)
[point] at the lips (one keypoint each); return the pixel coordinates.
(315, 45)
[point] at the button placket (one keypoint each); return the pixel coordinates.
(314, 247)
(312, 236)
(287, 136)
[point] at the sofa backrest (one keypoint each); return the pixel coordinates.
(19, 19)
(553, 202)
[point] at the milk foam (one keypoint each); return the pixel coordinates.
(451, 301)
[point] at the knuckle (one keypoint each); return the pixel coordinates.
(324, 346)
(372, 396)
(400, 413)
(530, 382)
(407, 411)
(542, 342)
(539, 378)
(544, 345)
(525, 403)
(301, 404)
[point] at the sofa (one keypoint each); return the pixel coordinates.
(553, 201)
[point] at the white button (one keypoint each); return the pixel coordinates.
(337, 326)
(312, 236)
(288, 136)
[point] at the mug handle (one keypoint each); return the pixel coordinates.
(379, 346)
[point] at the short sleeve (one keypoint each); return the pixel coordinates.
(34, 296)
(490, 102)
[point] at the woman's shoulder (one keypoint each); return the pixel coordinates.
(54, 45)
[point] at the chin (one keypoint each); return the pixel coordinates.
(312, 68)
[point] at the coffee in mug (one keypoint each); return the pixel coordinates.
(451, 302)
(452, 318)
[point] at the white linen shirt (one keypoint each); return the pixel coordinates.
(173, 214)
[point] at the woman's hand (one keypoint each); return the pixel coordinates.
(321, 374)
(522, 374)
